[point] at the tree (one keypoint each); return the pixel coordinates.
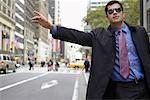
(97, 17)
(132, 11)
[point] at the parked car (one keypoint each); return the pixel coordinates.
(6, 63)
(77, 64)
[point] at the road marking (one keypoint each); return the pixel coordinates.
(75, 92)
(49, 84)
(21, 82)
(86, 78)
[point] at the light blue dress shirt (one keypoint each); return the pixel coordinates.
(135, 65)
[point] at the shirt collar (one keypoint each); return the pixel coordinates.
(124, 28)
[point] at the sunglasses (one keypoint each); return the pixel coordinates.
(111, 11)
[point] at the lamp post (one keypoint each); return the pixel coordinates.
(141, 12)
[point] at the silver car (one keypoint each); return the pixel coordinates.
(6, 63)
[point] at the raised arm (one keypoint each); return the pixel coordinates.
(62, 33)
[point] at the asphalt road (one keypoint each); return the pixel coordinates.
(43, 86)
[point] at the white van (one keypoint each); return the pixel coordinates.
(6, 63)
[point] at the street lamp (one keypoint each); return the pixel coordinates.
(141, 12)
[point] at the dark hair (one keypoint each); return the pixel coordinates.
(111, 3)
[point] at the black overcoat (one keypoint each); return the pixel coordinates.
(102, 42)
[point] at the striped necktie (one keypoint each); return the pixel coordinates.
(123, 52)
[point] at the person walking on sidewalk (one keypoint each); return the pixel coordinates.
(31, 64)
(87, 65)
(50, 65)
(120, 55)
(56, 65)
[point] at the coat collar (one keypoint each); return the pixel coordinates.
(110, 33)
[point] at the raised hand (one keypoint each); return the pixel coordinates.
(42, 20)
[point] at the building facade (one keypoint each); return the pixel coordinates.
(57, 45)
(41, 34)
(19, 30)
(30, 31)
(94, 4)
(7, 25)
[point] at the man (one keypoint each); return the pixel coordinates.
(31, 64)
(50, 65)
(87, 65)
(120, 57)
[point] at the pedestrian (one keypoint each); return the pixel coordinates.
(87, 65)
(50, 65)
(120, 55)
(56, 66)
(31, 65)
(42, 63)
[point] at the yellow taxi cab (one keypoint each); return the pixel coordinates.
(77, 64)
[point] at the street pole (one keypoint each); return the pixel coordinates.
(141, 12)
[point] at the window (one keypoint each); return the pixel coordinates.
(4, 1)
(4, 10)
(19, 30)
(9, 3)
(0, 6)
(18, 39)
(9, 13)
(13, 17)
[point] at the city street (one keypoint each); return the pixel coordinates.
(38, 84)
(48, 49)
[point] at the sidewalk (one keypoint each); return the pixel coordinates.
(39, 69)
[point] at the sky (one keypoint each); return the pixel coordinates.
(72, 13)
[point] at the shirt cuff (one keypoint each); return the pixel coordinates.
(53, 31)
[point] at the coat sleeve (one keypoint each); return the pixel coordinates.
(73, 36)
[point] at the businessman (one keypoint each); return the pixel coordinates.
(120, 55)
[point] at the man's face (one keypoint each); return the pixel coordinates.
(115, 14)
